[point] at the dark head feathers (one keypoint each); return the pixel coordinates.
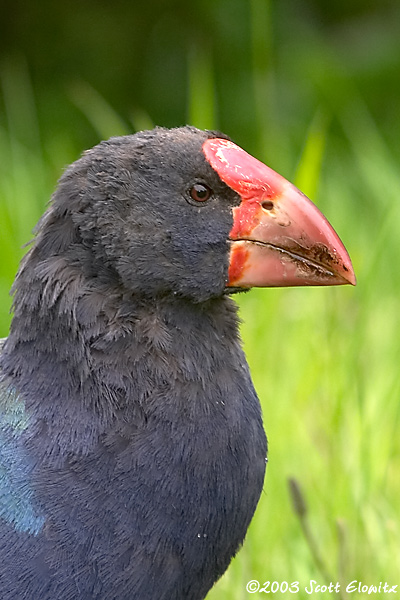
(120, 218)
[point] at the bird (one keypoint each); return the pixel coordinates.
(132, 447)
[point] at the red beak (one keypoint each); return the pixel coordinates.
(279, 237)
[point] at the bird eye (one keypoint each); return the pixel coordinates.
(200, 192)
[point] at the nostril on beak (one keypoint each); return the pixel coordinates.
(267, 204)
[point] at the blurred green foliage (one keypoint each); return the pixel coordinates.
(262, 63)
(312, 88)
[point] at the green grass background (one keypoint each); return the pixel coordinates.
(325, 362)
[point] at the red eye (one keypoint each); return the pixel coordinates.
(200, 192)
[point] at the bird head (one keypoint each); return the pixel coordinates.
(187, 212)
